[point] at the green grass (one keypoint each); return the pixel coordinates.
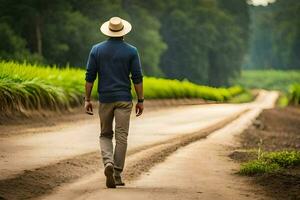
(244, 97)
(268, 79)
(258, 167)
(283, 158)
(32, 94)
(24, 86)
(286, 81)
(283, 100)
(271, 162)
(294, 94)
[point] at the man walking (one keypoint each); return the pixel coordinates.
(115, 62)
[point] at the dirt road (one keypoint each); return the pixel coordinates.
(24, 152)
(28, 152)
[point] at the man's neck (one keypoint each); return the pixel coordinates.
(116, 38)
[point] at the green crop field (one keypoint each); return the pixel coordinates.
(24, 86)
(287, 82)
(268, 79)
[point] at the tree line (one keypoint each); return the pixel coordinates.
(275, 38)
(203, 41)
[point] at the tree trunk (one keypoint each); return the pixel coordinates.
(212, 70)
(125, 4)
(38, 35)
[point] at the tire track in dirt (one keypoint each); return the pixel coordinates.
(41, 181)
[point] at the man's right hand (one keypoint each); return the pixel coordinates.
(88, 107)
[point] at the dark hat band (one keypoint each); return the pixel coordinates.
(116, 30)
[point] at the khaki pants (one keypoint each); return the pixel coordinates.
(120, 111)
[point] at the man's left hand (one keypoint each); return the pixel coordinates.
(139, 108)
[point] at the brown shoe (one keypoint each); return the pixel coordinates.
(118, 181)
(109, 173)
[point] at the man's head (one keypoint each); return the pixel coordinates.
(115, 27)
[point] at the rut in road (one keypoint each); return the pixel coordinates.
(31, 151)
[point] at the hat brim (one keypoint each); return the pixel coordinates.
(106, 31)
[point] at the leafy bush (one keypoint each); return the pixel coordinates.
(283, 158)
(294, 94)
(283, 100)
(271, 162)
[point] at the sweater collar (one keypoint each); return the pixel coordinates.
(115, 39)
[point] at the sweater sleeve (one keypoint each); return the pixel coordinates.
(136, 69)
(91, 69)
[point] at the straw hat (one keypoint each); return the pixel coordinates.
(115, 27)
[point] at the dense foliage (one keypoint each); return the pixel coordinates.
(24, 86)
(275, 38)
(203, 41)
(268, 79)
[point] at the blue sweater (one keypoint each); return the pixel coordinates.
(114, 61)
